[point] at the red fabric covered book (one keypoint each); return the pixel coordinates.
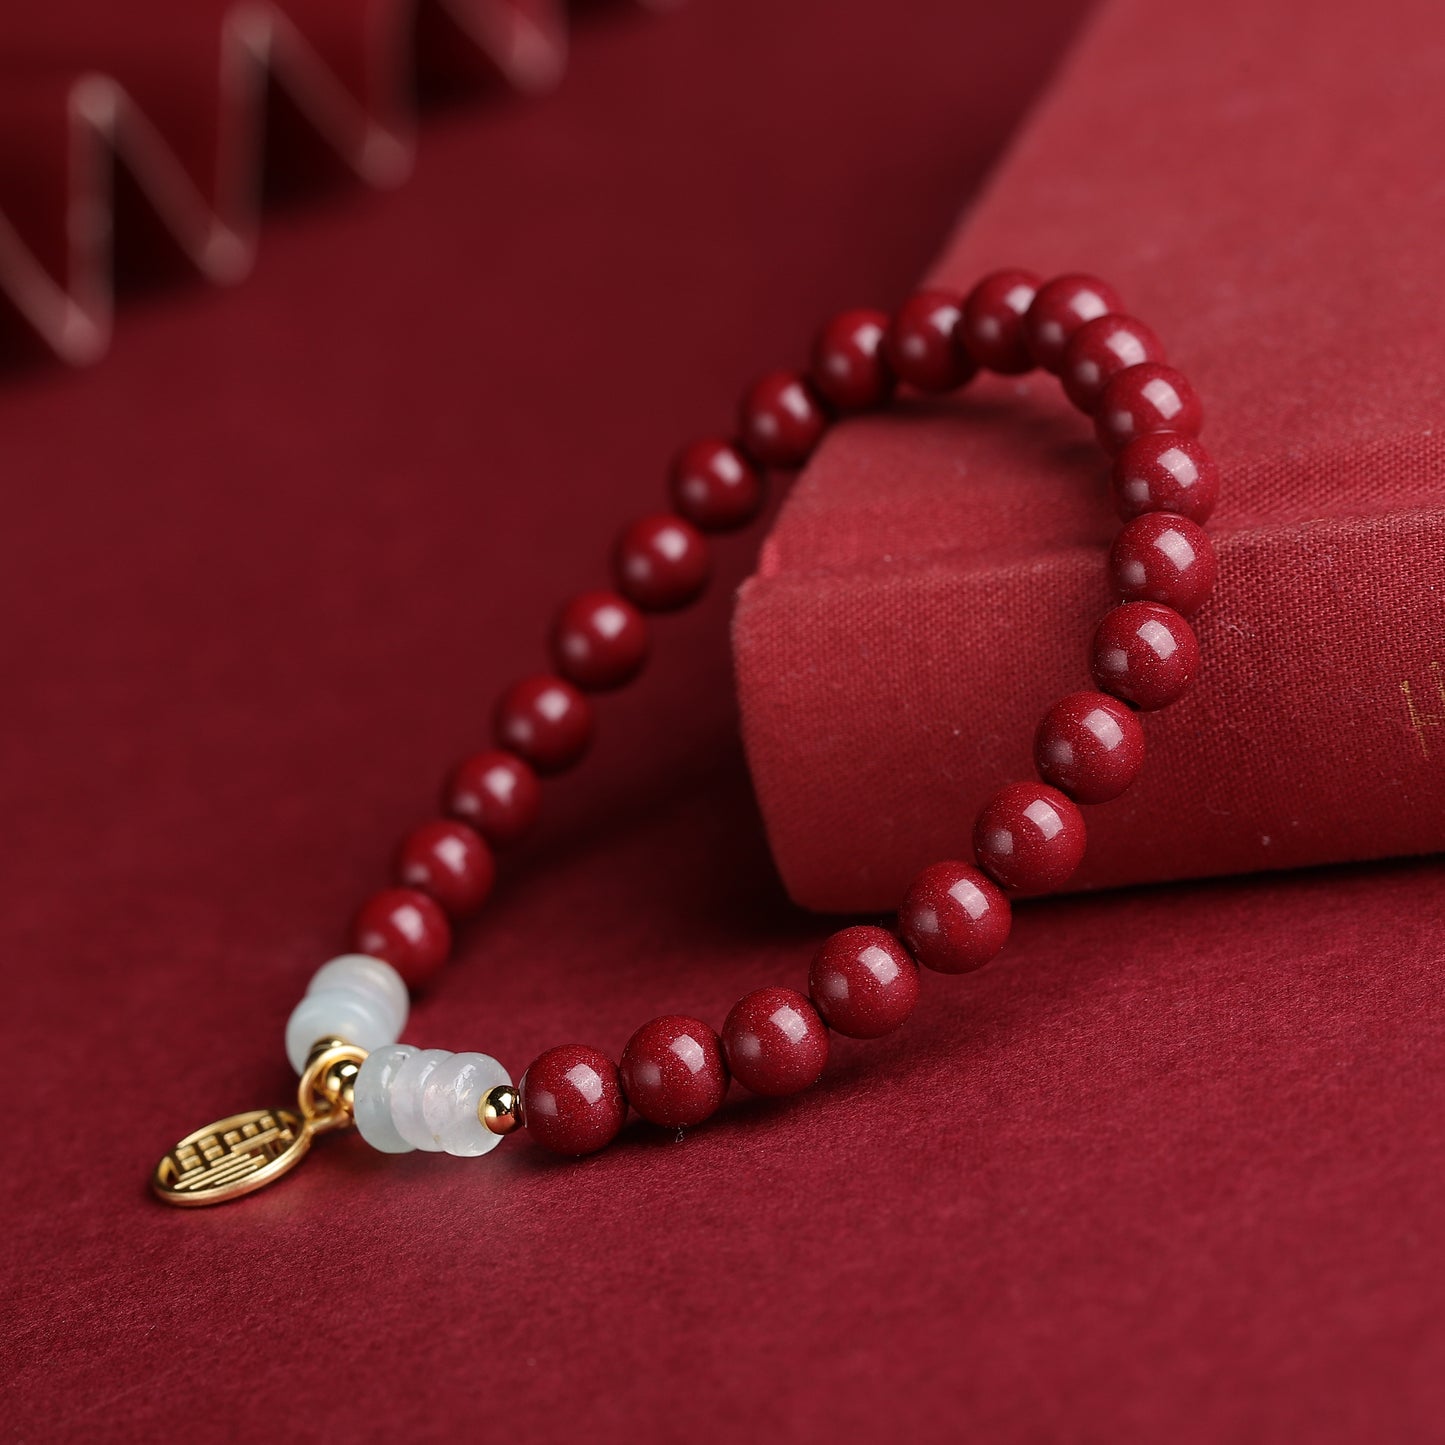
(933, 582)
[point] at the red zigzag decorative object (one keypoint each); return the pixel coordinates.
(88, 116)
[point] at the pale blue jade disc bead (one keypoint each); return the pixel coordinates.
(408, 1098)
(366, 974)
(408, 1085)
(451, 1096)
(371, 1107)
(359, 999)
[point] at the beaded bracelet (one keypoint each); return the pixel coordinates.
(864, 982)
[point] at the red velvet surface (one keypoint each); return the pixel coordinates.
(932, 585)
(1168, 1171)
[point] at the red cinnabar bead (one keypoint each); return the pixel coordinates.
(714, 486)
(1146, 654)
(923, 346)
(572, 1100)
(954, 918)
(1147, 398)
(496, 792)
(449, 861)
(1162, 558)
(1059, 309)
(1090, 746)
(407, 929)
(1099, 350)
(673, 1072)
(863, 982)
(992, 329)
(546, 720)
(1029, 837)
(661, 563)
(782, 419)
(849, 367)
(775, 1042)
(1165, 472)
(599, 641)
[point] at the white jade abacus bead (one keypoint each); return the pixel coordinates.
(356, 998)
(407, 1088)
(365, 974)
(337, 1013)
(450, 1099)
(372, 1106)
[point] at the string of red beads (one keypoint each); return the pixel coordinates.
(1028, 838)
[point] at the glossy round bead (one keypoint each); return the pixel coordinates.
(714, 486)
(849, 367)
(501, 1110)
(923, 346)
(546, 720)
(781, 419)
(661, 563)
(992, 330)
(371, 1106)
(572, 1100)
(449, 861)
(496, 792)
(1060, 308)
(406, 928)
(775, 1041)
(673, 1071)
(1101, 349)
(1029, 837)
(1163, 558)
(954, 918)
(1090, 746)
(599, 641)
(451, 1098)
(1165, 472)
(1150, 397)
(1145, 653)
(863, 982)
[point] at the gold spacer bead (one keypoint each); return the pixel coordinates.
(338, 1084)
(501, 1109)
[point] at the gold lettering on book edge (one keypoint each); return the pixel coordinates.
(1419, 718)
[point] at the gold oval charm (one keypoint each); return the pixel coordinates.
(232, 1157)
(249, 1151)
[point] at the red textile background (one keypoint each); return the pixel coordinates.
(1169, 1171)
(932, 585)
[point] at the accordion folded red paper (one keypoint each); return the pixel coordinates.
(1264, 185)
(194, 104)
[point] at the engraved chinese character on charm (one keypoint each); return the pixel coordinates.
(231, 1158)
